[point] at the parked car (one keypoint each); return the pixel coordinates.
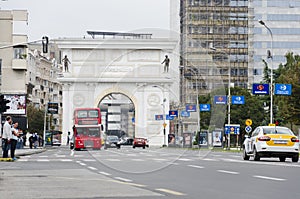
(140, 142)
(271, 141)
(112, 141)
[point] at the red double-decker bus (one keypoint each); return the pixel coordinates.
(87, 116)
(87, 137)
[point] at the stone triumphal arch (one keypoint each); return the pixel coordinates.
(130, 65)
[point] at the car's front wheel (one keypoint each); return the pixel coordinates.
(245, 156)
(295, 158)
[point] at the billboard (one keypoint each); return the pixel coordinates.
(17, 104)
(260, 89)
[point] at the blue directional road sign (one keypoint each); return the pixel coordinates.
(238, 99)
(283, 89)
(204, 107)
(185, 114)
(168, 117)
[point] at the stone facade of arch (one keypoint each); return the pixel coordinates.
(130, 67)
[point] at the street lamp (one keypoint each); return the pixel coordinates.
(270, 55)
(164, 116)
(229, 92)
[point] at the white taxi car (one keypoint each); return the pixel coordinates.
(271, 141)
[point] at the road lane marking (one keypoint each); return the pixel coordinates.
(93, 168)
(270, 178)
(113, 160)
(123, 179)
(228, 172)
(170, 192)
(104, 173)
(137, 160)
(43, 160)
(209, 159)
(82, 164)
(66, 160)
(22, 160)
(185, 159)
(89, 160)
(196, 166)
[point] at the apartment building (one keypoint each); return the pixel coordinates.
(282, 18)
(26, 75)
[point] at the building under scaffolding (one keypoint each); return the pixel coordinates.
(215, 38)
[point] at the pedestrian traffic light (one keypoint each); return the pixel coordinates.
(3, 102)
(45, 41)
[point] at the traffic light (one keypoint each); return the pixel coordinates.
(45, 41)
(3, 102)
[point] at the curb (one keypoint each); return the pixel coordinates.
(30, 152)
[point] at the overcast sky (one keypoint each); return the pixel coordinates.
(72, 18)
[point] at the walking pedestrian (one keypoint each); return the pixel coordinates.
(14, 140)
(7, 136)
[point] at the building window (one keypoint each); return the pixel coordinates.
(19, 53)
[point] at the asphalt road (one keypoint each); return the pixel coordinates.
(147, 173)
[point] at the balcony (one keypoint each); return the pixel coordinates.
(19, 64)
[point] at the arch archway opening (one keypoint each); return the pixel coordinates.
(118, 115)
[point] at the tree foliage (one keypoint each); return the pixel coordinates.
(35, 119)
(289, 106)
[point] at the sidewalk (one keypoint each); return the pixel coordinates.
(22, 152)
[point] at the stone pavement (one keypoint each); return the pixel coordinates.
(22, 152)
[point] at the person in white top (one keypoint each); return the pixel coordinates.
(14, 140)
(6, 136)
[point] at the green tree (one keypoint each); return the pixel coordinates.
(289, 106)
(35, 119)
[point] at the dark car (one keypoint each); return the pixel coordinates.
(112, 141)
(126, 141)
(140, 142)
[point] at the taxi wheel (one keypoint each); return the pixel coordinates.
(295, 158)
(245, 156)
(282, 159)
(256, 155)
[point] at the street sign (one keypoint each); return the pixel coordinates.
(260, 89)
(53, 108)
(283, 89)
(238, 99)
(248, 129)
(220, 99)
(232, 129)
(204, 107)
(168, 117)
(185, 114)
(248, 122)
(164, 125)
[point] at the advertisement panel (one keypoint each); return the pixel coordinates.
(203, 138)
(17, 104)
(260, 89)
(217, 138)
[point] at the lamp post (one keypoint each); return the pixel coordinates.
(271, 75)
(229, 93)
(164, 125)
